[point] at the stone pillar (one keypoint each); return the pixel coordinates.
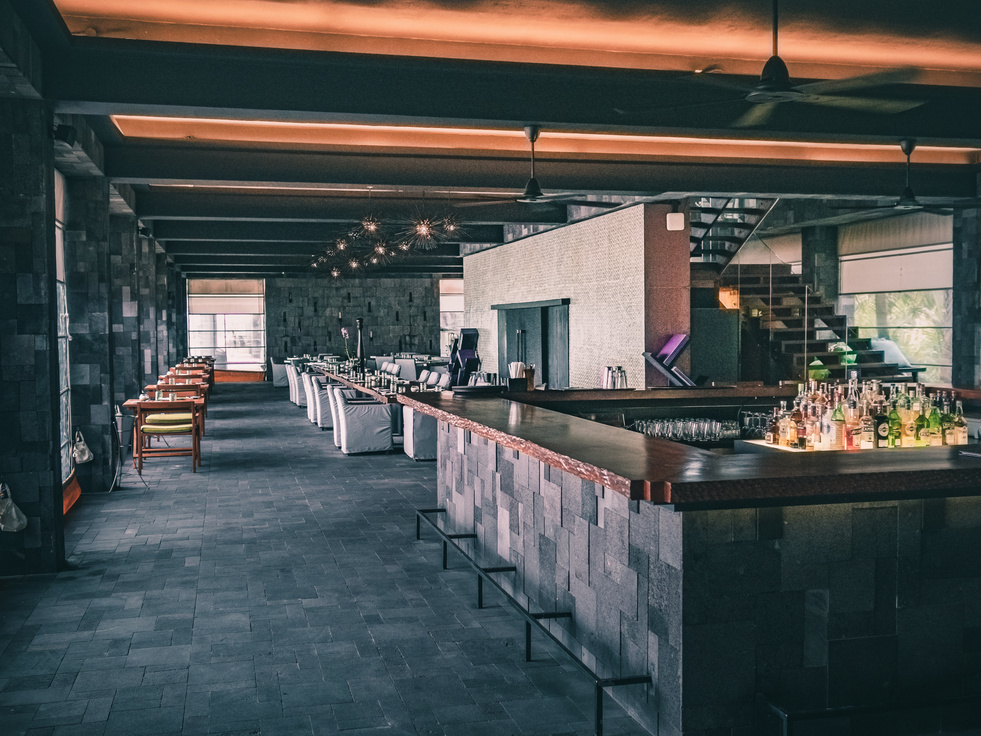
(91, 349)
(178, 300)
(162, 307)
(667, 286)
(30, 448)
(146, 278)
(966, 340)
(124, 311)
(819, 259)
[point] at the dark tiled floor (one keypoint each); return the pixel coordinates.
(280, 590)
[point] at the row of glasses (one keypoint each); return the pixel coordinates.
(690, 429)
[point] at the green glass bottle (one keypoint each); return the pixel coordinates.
(935, 425)
(895, 428)
(921, 431)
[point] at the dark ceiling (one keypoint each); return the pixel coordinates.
(405, 119)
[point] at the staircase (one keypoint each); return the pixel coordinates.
(720, 225)
(795, 325)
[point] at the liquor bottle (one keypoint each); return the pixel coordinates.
(947, 421)
(867, 429)
(895, 438)
(812, 429)
(921, 431)
(784, 435)
(960, 425)
(935, 426)
(772, 434)
(881, 425)
(836, 438)
(797, 418)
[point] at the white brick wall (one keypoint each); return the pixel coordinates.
(597, 264)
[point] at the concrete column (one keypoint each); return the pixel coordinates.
(30, 454)
(91, 350)
(819, 259)
(667, 287)
(966, 340)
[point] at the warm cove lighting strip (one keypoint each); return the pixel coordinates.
(489, 139)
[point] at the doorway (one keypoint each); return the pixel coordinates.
(535, 333)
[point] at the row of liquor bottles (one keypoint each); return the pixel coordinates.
(866, 416)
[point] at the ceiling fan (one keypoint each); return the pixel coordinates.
(907, 200)
(775, 88)
(533, 193)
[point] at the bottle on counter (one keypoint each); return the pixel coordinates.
(921, 431)
(772, 434)
(836, 428)
(783, 436)
(960, 425)
(866, 429)
(881, 425)
(895, 438)
(946, 420)
(935, 425)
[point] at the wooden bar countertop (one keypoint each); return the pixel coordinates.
(661, 471)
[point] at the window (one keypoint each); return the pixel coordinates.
(905, 296)
(227, 319)
(64, 374)
(450, 312)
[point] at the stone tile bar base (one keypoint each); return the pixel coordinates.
(813, 606)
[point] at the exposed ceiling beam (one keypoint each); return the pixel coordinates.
(145, 164)
(374, 272)
(191, 204)
(174, 79)
(280, 232)
(278, 249)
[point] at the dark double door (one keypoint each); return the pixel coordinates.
(536, 335)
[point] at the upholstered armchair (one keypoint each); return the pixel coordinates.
(365, 426)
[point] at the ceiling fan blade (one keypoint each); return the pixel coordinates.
(592, 203)
(486, 203)
(715, 80)
(898, 75)
(758, 114)
(863, 104)
(668, 108)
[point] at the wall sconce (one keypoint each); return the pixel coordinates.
(675, 221)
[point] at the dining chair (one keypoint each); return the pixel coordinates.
(158, 419)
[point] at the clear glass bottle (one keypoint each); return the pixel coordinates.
(866, 429)
(960, 425)
(772, 434)
(836, 440)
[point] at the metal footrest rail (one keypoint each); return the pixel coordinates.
(484, 573)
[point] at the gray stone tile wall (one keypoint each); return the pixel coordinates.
(966, 347)
(400, 314)
(29, 438)
(812, 606)
(90, 350)
(127, 353)
(579, 547)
